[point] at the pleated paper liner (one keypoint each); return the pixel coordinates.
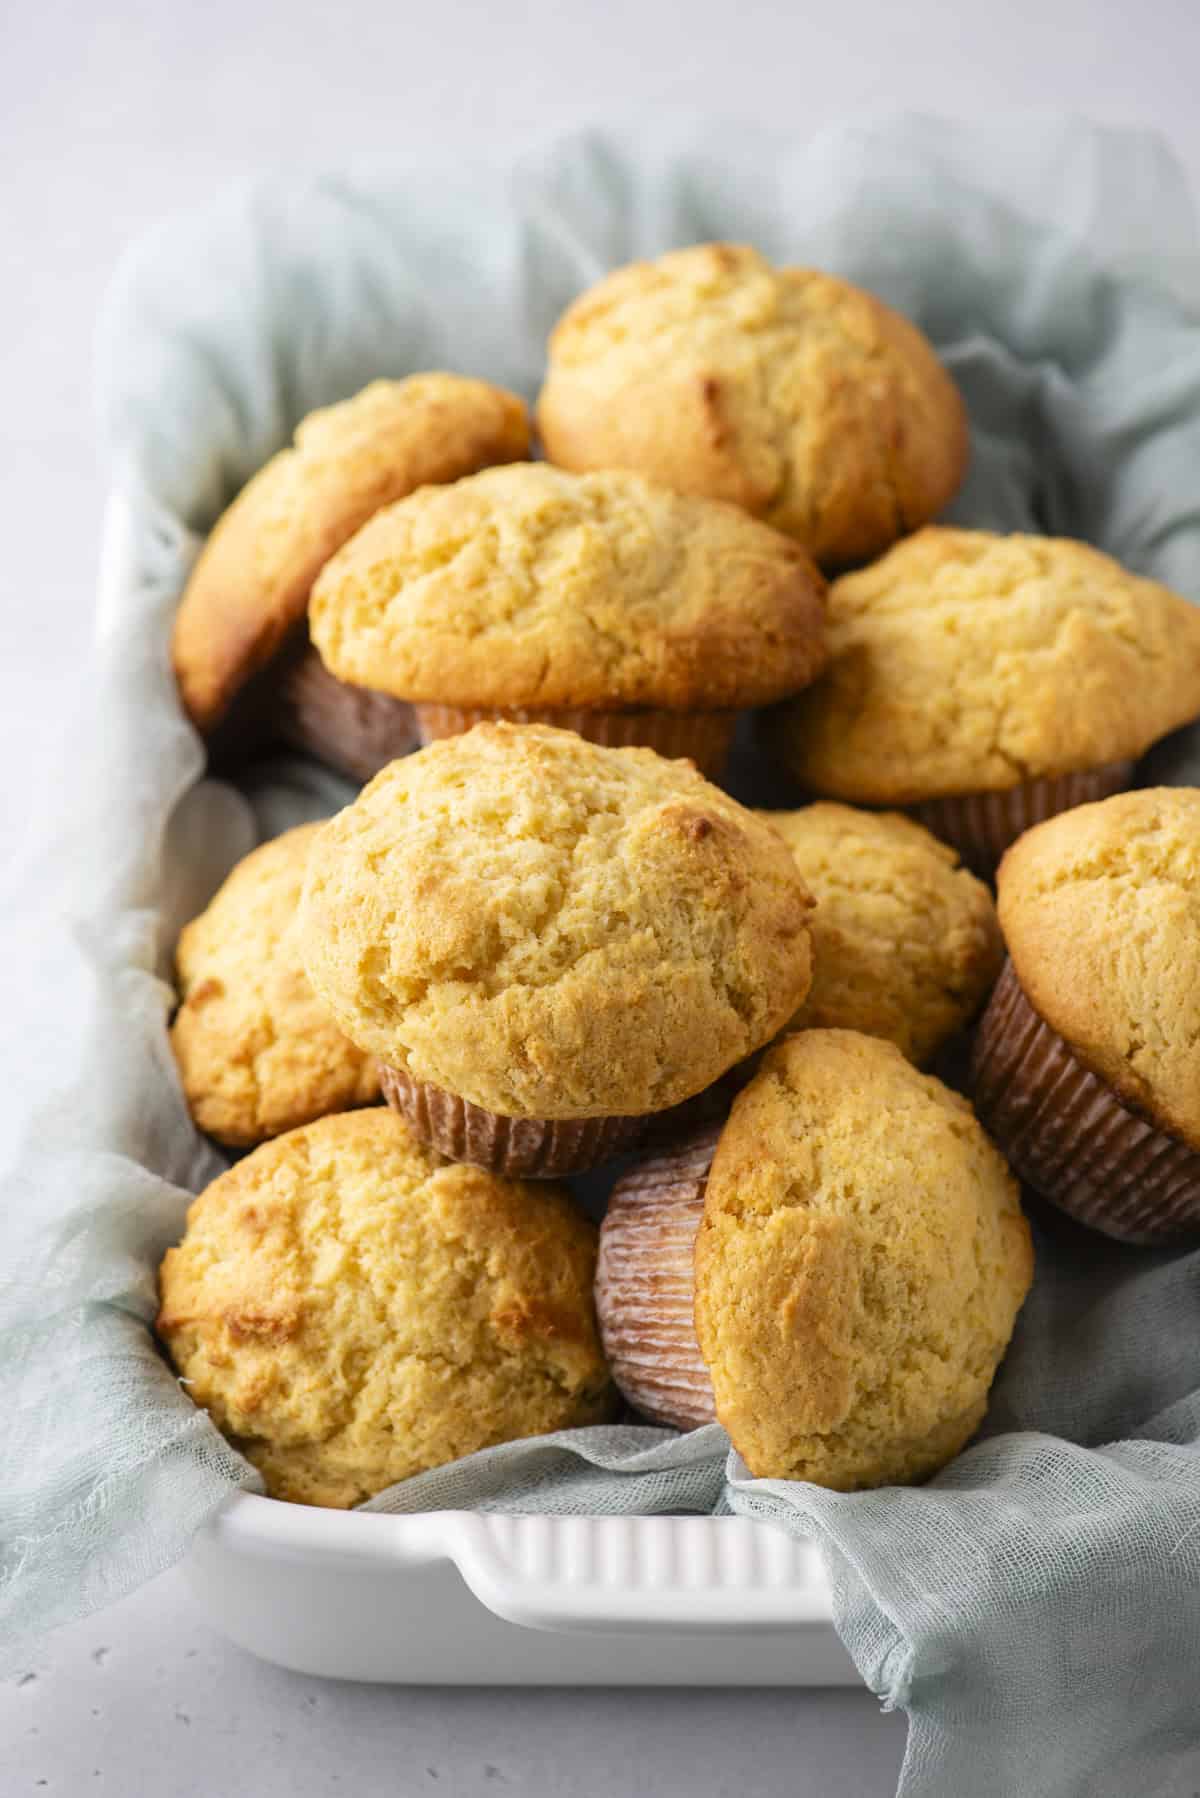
(354, 730)
(1069, 1135)
(981, 826)
(525, 1148)
(645, 1286)
(701, 737)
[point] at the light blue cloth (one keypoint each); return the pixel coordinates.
(1036, 1608)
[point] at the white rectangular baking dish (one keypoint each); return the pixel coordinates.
(464, 1598)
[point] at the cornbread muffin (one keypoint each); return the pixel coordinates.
(1087, 1062)
(351, 1310)
(905, 941)
(596, 601)
(246, 598)
(257, 1052)
(860, 1257)
(991, 681)
(528, 927)
(785, 391)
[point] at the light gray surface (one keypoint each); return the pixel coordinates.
(112, 116)
(145, 1700)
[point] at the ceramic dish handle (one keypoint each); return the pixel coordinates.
(632, 1573)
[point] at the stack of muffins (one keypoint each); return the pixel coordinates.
(549, 942)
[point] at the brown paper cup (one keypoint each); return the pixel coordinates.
(645, 1286)
(1071, 1137)
(354, 730)
(981, 826)
(701, 737)
(525, 1148)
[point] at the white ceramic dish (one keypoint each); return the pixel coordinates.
(463, 1598)
(455, 1597)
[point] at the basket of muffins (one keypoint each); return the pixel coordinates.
(811, 1052)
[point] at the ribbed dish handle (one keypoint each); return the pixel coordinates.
(637, 1573)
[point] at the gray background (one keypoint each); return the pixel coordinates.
(112, 116)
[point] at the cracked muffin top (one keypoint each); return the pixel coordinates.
(788, 392)
(352, 1309)
(905, 939)
(553, 929)
(251, 582)
(257, 1051)
(526, 585)
(967, 662)
(860, 1263)
(1100, 909)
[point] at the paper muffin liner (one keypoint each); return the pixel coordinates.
(353, 729)
(1071, 1137)
(701, 737)
(645, 1285)
(981, 826)
(525, 1148)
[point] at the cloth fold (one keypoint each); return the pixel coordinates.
(1036, 1608)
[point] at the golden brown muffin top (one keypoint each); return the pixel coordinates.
(788, 392)
(1100, 908)
(859, 1266)
(967, 662)
(553, 929)
(351, 1309)
(905, 940)
(250, 585)
(528, 586)
(257, 1051)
